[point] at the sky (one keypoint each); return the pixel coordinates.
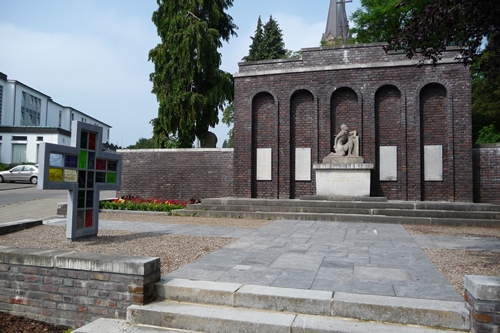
(92, 55)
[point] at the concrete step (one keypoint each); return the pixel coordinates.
(121, 326)
(396, 310)
(360, 218)
(405, 205)
(482, 215)
(221, 319)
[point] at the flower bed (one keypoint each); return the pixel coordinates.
(152, 205)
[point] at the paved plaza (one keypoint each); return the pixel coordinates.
(364, 258)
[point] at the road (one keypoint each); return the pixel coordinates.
(20, 192)
(20, 201)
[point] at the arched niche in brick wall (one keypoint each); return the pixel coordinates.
(390, 133)
(264, 136)
(303, 142)
(344, 108)
(434, 138)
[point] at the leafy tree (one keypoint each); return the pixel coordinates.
(187, 81)
(378, 20)
(462, 23)
(228, 119)
(143, 143)
(488, 134)
(254, 52)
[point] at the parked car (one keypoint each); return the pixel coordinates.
(20, 173)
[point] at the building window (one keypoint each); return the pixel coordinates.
(60, 119)
(1, 99)
(19, 138)
(72, 116)
(39, 138)
(18, 153)
(30, 110)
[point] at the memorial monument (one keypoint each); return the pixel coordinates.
(84, 170)
(343, 173)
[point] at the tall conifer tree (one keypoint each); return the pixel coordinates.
(272, 46)
(187, 81)
(255, 47)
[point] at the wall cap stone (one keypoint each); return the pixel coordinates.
(175, 150)
(95, 262)
(485, 288)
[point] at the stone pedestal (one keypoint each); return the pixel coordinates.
(345, 176)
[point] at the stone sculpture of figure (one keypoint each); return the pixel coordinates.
(345, 142)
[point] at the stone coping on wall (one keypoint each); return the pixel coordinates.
(175, 150)
(92, 262)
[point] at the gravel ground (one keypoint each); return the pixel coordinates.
(455, 264)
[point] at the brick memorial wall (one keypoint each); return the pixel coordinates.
(286, 106)
(177, 173)
(487, 174)
(73, 289)
(142, 166)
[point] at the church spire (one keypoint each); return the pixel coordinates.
(337, 26)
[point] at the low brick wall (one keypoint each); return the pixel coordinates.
(74, 289)
(482, 294)
(487, 175)
(177, 173)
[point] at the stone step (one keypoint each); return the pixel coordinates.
(485, 215)
(396, 310)
(359, 218)
(222, 319)
(104, 325)
(366, 203)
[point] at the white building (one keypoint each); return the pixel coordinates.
(28, 117)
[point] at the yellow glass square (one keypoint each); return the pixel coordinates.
(55, 175)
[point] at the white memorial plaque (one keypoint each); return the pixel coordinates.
(303, 164)
(264, 163)
(433, 163)
(388, 163)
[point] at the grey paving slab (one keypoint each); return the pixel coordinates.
(359, 258)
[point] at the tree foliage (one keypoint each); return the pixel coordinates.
(254, 52)
(378, 20)
(143, 143)
(267, 43)
(187, 81)
(463, 23)
(228, 119)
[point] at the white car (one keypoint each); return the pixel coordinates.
(20, 173)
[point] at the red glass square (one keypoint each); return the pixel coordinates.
(89, 219)
(100, 164)
(92, 137)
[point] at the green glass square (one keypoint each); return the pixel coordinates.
(111, 178)
(80, 219)
(82, 160)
